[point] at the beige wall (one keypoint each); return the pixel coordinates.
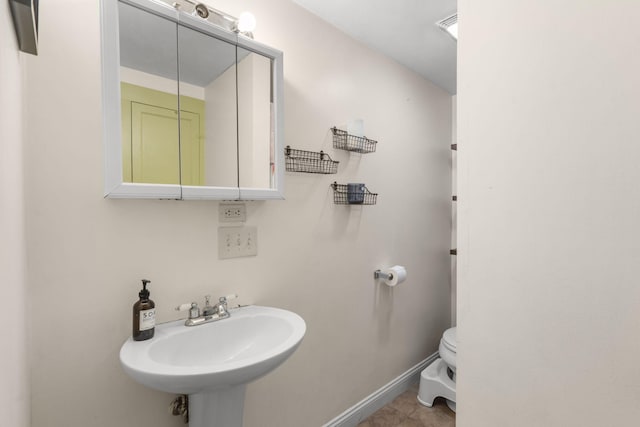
(221, 126)
(14, 377)
(548, 104)
(87, 254)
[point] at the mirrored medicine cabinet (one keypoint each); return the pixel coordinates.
(191, 110)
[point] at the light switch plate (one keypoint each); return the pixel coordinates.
(235, 242)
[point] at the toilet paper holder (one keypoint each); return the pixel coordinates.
(379, 274)
(391, 276)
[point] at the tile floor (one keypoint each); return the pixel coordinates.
(406, 411)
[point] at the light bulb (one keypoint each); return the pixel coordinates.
(246, 22)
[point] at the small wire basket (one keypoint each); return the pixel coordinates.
(309, 161)
(358, 144)
(353, 194)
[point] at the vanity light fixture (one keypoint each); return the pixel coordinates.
(243, 25)
(201, 10)
(450, 25)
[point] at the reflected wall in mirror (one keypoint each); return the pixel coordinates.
(255, 110)
(191, 110)
(208, 71)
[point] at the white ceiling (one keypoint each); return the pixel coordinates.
(149, 43)
(404, 30)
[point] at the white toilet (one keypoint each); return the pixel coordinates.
(439, 378)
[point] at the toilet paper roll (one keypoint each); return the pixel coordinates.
(397, 273)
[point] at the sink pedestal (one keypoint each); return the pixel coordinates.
(220, 408)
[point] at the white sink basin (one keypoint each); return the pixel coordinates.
(218, 355)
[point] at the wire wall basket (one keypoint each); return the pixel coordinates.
(353, 194)
(358, 144)
(309, 161)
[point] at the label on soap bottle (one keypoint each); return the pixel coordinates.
(147, 319)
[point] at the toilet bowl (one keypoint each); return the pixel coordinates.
(447, 350)
(439, 378)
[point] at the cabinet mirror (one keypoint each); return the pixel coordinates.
(191, 110)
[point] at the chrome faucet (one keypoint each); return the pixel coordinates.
(208, 310)
(221, 308)
(209, 313)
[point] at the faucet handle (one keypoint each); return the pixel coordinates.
(183, 307)
(222, 304)
(194, 311)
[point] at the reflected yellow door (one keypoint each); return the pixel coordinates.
(152, 151)
(192, 147)
(155, 151)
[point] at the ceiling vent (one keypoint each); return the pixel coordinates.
(450, 25)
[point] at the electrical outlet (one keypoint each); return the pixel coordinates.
(232, 212)
(235, 242)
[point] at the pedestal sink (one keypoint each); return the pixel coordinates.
(213, 362)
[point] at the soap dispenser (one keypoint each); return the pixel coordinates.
(144, 315)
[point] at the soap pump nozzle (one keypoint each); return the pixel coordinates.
(144, 292)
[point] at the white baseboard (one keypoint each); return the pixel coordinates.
(370, 404)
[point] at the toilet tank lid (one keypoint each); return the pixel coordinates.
(449, 336)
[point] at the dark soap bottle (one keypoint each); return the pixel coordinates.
(144, 315)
